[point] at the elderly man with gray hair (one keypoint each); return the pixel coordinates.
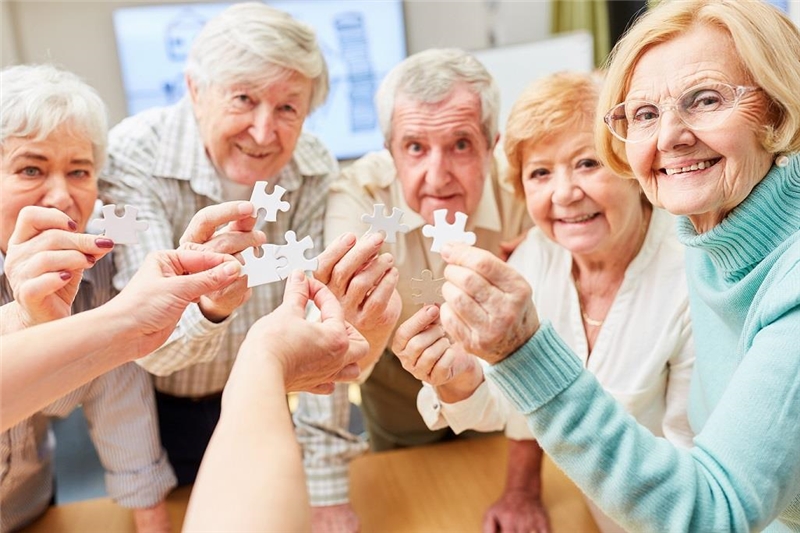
(254, 74)
(439, 115)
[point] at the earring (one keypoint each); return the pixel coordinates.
(782, 161)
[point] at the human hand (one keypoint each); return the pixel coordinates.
(488, 306)
(426, 352)
(45, 261)
(517, 511)
(167, 282)
(152, 519)
(237, 233)
(363, 281)
(334, 519)
(313, 355)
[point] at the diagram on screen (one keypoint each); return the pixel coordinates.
(361, 42)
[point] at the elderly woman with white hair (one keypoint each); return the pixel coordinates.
(52, 144)
(254, 74)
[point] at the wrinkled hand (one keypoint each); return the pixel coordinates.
(488, 306)
(236, 234)
(363, 280)
(152, 519)
(334, 519)
(425, 351)
(45, 261)
(313, 355)
(166, 283)
(516, 512)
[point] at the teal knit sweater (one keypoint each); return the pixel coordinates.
(744, 470)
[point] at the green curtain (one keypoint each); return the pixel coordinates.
(591, 15)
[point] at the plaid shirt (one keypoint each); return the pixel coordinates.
(157, 162)
(120, 409)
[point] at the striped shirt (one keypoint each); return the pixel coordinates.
(158, 163)
(120, 409)
(322, 421)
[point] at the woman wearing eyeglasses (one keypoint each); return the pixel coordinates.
(705, 114)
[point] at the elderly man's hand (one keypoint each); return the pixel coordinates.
(236, 233)
(152, 519)
(516, 511)
(313, 355)
(488, 306)
(44, 264)
(334, 519)
(365, 283)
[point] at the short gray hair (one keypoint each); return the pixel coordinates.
(254, 43)
(35, 100)
(430, 76)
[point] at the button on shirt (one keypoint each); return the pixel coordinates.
(158, 163)
(322, 421)
(120, 409)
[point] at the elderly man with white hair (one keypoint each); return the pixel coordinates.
(438, 111)
(52, 144)
(254, 74)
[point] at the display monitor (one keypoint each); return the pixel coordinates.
(361, 41)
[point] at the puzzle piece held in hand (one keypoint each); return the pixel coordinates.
(388, 225)
(264, 269)
(427, 290)
(121, 230)
(444, 232)
(270, 203)
(294, 252)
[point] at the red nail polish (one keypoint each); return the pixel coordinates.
(72, 225)
(90, 258)
(65, 275)
(104, 243)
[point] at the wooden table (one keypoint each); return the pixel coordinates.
(440, 488)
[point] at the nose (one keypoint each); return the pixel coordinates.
(57, 193)
(566, 190)
(672, 132)
(262, 129)
(437, 172)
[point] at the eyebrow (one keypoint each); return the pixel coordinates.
(39, 157)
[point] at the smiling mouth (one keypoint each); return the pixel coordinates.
(702, 165)
(580, 219)
(252, 153)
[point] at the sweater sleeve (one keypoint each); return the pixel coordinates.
(743, 471)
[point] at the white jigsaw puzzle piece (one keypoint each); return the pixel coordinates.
(389, 225)
(121, 230)
(264, 269)
(269, 203)
(294, 252)
(427, 290)
(444, 232)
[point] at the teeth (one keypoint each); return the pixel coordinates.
(697, 166)
(579, 219)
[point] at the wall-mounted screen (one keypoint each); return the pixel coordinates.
(361, 40)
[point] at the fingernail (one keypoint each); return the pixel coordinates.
(72, 225)
(376, 238)
(90, 258)
(348, 238)
(432, 311)
(446, 249)
(231, 268)
(245, 208)
(104, 243)
(297, 276)
(65, 275)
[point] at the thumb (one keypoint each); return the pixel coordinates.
(297, 293)
(192, 286)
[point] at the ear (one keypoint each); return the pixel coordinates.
(194, 91)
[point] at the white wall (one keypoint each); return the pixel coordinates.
(79, 36)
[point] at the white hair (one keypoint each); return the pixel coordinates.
(430, 77)
(254, 43)
(35, 100)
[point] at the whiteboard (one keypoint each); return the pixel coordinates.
(516, 67)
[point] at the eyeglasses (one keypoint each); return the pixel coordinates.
(702, 107)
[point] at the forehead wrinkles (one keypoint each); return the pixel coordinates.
(458, 114)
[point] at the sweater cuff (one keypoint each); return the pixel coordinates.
(537, 371)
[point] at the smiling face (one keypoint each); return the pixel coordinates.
(58, 171)
(250, 132)
(440, 152)
(702, 174)
(575, 201)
